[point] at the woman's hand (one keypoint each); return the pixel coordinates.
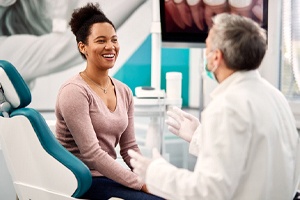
(145, 189)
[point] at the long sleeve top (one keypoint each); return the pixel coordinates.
(247, 147)
(89, 130)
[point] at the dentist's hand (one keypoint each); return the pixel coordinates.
(140, 163)
(182, 123)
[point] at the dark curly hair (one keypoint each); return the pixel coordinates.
(82, 20)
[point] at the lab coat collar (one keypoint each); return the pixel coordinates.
(234, 78)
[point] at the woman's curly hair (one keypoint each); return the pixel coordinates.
(83, 18)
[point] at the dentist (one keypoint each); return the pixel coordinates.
(247, 143)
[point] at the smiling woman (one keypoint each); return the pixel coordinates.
(95, 111)
(101, 48)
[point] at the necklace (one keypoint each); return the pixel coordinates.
(104, 89)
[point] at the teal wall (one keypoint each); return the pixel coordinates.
(137, 70)
(176, 60)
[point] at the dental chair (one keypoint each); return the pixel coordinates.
(40, 167)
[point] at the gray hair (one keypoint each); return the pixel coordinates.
(242, 41)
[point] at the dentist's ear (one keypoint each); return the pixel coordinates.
(219, 54)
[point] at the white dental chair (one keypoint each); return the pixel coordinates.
(40, 167)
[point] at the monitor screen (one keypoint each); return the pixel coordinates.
(185, 23)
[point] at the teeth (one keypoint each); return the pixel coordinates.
(108, 55)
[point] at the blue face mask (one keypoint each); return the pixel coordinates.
(208, 73)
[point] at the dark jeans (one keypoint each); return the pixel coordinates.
(297, 196)
(105, 188)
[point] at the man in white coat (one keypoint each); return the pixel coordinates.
(247, 143)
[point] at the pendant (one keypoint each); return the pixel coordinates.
(104, 91)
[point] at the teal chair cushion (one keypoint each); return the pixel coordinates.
(21, 88)
(56, 150)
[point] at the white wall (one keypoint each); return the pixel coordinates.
(271, 64)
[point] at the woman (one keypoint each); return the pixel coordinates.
(95, 112)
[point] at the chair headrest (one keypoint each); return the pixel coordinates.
(14, 92)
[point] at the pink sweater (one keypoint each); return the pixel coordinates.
(89, 130)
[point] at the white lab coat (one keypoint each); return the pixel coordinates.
(247, 147)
